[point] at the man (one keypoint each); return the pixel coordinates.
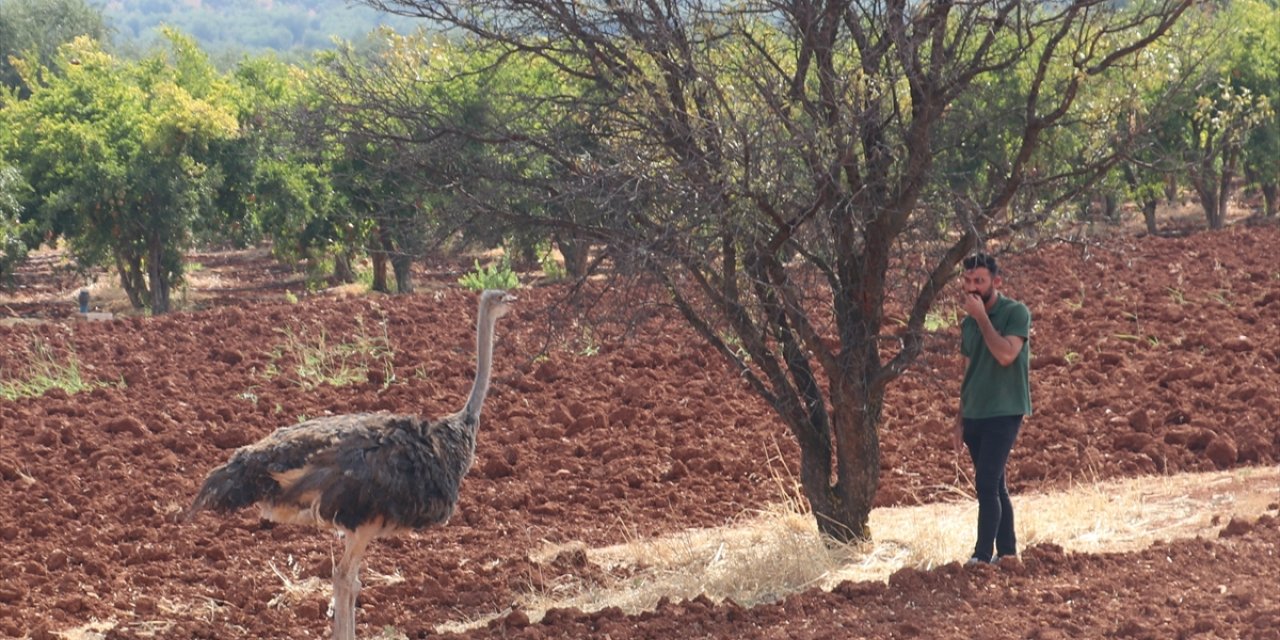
(994, 397)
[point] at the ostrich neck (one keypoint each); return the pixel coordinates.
(484, 363)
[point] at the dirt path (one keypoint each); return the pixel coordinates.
(1153, 357)
(775, 552)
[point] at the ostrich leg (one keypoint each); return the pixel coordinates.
(346, 582)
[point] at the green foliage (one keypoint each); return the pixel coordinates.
(1202, 105)
(16, 236)
(371, 103)
(282, 185)
(309, 358)
(498, 275)
(550, 266)
(1222, 122)
(937, 320)
(119, 156)
(1256, 65)
(45, 370)
(36, 28)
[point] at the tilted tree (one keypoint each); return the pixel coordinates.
(773, 165)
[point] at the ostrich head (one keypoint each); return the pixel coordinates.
(497, 301)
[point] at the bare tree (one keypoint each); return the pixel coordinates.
(792, 170)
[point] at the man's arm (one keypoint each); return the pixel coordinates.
(1004, 348)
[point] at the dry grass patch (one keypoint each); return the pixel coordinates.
(766, 556)
(94, 630)
(204, 608)
(294, 589)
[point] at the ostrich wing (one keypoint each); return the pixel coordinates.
(346, 469)
(402, 475)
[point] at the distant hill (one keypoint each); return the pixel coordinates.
(231, 27)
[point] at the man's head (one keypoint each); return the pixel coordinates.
(981, 276)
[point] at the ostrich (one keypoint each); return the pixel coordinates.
(364, 475)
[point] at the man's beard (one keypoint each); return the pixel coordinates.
(985, 295)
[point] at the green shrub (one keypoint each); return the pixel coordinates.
(550, 266)
(44, 370)
(495, 276)
(310, 358)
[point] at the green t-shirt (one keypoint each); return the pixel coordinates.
(990, 390)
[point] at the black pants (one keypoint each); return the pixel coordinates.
(989, 441)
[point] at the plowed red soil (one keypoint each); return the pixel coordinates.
(1152, 356)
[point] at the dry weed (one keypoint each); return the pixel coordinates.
(765, 556)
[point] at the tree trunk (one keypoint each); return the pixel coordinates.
(1149, 215)
(1170, 189)
(1111, 207)
(342, 271)
(158, 277)
(576, 254)
(1270, 192)
(857, 434)
(840, 472)
(381, 247)
(1214, 187)
(131, 281)
(1149, 201)
(402, 264)
(526, 253)
(379, 270)
(1209, 202)
(1229, 161)
(1208, 185)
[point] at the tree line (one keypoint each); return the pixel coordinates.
(800, 178)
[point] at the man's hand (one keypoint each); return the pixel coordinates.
(973, 305)
(1005, 349)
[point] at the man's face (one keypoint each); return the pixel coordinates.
(980, 282)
